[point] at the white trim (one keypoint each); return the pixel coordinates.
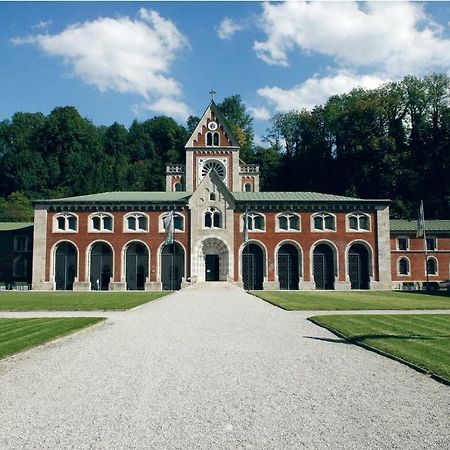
(159, 260)
(55, 228)
(53, 258)
(371, 258)
(265, 256)
(15, 243)
(437, 266)
(435, 242)
(327, 230)
(335, 261)
(289, 230)
(212, 210)
(408, 246)
(398, 267)
(357, 214)
(241, 222)
(123, 274)
(300, 257)
(102, 229)
(198, 262)
(161, 222)
(88, 259)
(135, 214)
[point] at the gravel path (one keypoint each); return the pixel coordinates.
(214, 368)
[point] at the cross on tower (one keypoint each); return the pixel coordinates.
(212, 92)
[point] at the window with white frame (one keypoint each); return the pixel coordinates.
(288, 222)
(403, 243)
(431, 243)
(358, 222)
(432, 266)
(212, 218)
(255, 222)
(137, 222)
(101, 223)
(212, 196)
(178, 222)
(403, 266)
(324, 222)
(20, 243)
(177, 187)
(248, 187)
(212, 139)
(66, 222)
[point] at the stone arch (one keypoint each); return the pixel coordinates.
(324, 264)
(135, 264)
(101, 265)
(288, 264)
(65, 265)
(253, 265)
(213, 255)
(359, 264)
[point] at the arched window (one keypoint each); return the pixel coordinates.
(212, 218)
(101, 223)
(177, 187)
(212, 196)
(324, 222)
(288, 222)
(255, 222)
(216, 139)
(136, 222)
(20, 243)
(65, 222)
(403, 266)
(178, 222)
(209, 139)
(432, 266)
(212, 139)
(358, 222)
(248, 187)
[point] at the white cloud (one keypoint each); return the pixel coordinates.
(227, 28)
(316, 90)
(397, 37)
(120, 54)
(165, 105)
(42, 25)
(259, 113)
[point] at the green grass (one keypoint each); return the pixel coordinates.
(19, 334)
(421, 339)
(360, 300)
(75, 301)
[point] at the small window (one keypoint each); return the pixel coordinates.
(212, 218)
(432, 266)
(212, 196)
(324, 222)
(20, 244)
(20, 267)
(359, 222)
(403, 266)
(66, 222)
(247, 187)
(255, 222)
(101, 222)
(178, 222)
(209, 139)
(288, 222)
(431, 243)
(177, 187)
(136, 222)
(216, 139)
(403, 244)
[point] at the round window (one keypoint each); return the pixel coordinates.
(217, 166)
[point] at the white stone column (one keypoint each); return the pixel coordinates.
(40, 256)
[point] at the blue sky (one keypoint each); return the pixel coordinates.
(120, 61)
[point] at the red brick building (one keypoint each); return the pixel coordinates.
(296, 240)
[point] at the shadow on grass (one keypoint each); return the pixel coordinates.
(427, 293)
(363, 337)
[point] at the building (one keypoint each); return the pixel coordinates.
(296, 240)
(16, 244)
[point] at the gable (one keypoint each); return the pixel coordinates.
(199, 137)
(210, 183)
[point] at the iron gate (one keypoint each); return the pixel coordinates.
(288, 271)
(172, 267)
(358, 271)
(323, 271)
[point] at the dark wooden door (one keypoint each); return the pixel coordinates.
(212, 267)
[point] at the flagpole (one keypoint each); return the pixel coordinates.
(173, 248)
(425, 245)
(248, 249)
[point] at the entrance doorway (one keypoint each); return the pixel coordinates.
(172, 266)
(358, 267)
(65, 266)
(252, 267)
(288, 267)
(324, 267)
(136, 266)
(212, 267)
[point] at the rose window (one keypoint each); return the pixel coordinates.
(217, 166)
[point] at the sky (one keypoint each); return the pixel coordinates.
(121, 61)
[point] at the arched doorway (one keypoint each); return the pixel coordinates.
(172, 266)
(136, 266)
(213, 260)
(252, 267)
(65, 266)
(288, 267)
(101, 266)
(358, 267)
(323, 265)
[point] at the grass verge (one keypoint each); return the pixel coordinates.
(75, 301)
(353, 300)
(421, 340)
(17, 335)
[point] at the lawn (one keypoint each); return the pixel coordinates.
(19, 334)
(75, 301)
(352, 300)
(421, 339)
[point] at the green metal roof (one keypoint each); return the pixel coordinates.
(124, 197)
(11, 226)
(296, 197)
(411, 225)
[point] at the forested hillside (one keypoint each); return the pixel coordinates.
(392, 142)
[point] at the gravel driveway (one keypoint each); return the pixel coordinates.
(213, 368)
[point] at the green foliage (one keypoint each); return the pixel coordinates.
(17, 208)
